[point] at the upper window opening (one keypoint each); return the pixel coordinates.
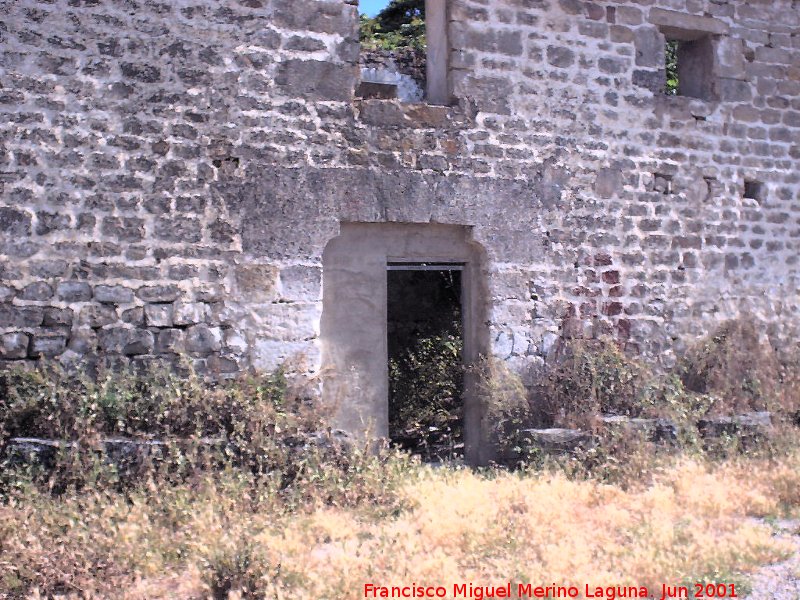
(662, 183)
(690, 68)
(754, 190)
(404, 50)
(690, 58)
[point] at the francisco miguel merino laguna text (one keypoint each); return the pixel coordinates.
(529, 590)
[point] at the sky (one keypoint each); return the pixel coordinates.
(371, 7)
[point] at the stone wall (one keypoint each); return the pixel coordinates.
(171, 172)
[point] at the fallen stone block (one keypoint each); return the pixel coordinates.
(35, 452)
(748, 423)
(653, 430)
(750, 428)
(556, 440)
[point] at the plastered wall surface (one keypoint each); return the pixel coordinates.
(171, 173)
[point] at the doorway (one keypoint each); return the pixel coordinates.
(362, 273)
(425, 342)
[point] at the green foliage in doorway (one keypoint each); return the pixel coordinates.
(427, 379)
(672, 68)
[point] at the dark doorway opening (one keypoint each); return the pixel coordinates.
(425, 343)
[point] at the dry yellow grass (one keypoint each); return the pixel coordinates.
(457, 527)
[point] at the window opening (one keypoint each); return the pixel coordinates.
(689, 65)
(690, 56)
(711, 184)
(404, 51)
(662, 183)
(754, 190)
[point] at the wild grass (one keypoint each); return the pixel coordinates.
(274, 519)
(234, 535)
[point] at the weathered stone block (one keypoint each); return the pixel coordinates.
(621, 35)
(209, 293)
(14, 345)
(321, 17)
(655, 81)
(47, 222)
(612, 66)
(120, 340)
(221, 231)
(684, 26)
(270, 354)
(158, 315)
(140, 341)
(491, 94)
(141, 72)
(571, 7)
(134, 316)
(755, 424)
(734, 90)
(97, 315)
(495, 41)
(183, 272)
(596, 12)
(256, 283)
(158, 293)
(169, 341)
(83, 341)
(556, 440)
(316, 80)
(189, 313)
(179, 230)
(128, 229)
(47, 345)
(290, 322)
(113, 294)
(608, 182)
(654, 430)
(429, 116)
(37, 291)
(57, 316)
(113, 339)
(560, 56)
(14, 221)
(304, 44)
(383, 114)
(650, 47)
(730, 58)
(234, 342)
(593, 29)
(20, 316)
(629, 15)
(47, 269)
(202, 340)
(220, 364)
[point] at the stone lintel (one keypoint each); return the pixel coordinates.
(681, 26)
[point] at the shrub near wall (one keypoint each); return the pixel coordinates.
(261, 423)
(730, 392)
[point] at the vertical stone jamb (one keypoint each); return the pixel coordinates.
(438, 50)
